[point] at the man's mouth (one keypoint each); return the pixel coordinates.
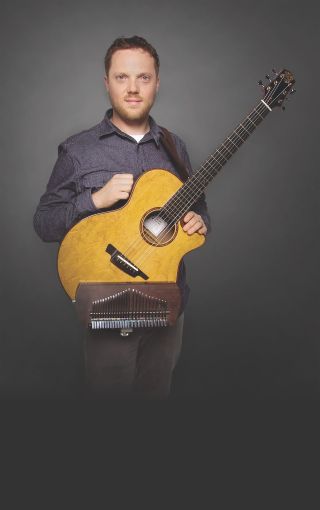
(133, 100)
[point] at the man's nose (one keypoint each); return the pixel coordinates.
(133, 85)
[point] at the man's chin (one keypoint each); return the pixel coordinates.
(136, 116)
(133, 115)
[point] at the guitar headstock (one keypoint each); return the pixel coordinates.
(278, 88)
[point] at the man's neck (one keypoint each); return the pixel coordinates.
(131, 128)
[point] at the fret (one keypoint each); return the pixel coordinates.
(238, 135)
(249, 125)
(234, 144)
(242, 125)
(220, 152)
(255, 111)
(216, 161)
(254, 124)
(224, 145)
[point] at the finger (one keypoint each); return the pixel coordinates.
(125, 187)
(202, 230)
(191, 222)
(199, 227)
(124, 176)
(188, 216)
(194, 228)
(123, 195)
(122, 185)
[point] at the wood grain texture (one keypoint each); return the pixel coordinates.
(82, 257)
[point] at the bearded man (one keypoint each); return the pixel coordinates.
(95, 172)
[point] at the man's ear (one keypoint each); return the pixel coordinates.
(158, 83)
(106, 82)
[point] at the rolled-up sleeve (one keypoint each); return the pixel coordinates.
(63, 203)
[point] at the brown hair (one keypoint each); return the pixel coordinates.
(126, 43)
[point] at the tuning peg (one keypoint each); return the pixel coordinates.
(260, 82)
(274, 71)
(283, 108)
(268, 77)
(293, 91)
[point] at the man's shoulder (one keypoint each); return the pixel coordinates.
(85, 137)
(179, 143)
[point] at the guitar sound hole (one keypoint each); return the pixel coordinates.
(155, 230)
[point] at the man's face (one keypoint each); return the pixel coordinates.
(132, 84)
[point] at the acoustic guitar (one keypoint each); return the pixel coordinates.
(144, 241)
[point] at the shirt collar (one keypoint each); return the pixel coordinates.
(107, 128)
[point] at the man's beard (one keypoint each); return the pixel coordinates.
(132, 115)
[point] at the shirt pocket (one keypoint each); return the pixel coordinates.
(95, 179)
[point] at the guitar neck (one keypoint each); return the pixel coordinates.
(181, 202)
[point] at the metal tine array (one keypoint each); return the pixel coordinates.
(127, 309)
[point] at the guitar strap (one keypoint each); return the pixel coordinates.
(169, 145)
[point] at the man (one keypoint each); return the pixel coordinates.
(95, 171)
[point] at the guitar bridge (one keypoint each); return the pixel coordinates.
(123, 263)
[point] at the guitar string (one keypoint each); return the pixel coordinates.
(201, 178)
(145, 254)
(198, 175)
(221, 155)
(224, 160)
(202, 175)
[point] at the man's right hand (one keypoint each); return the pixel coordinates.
(117, 188)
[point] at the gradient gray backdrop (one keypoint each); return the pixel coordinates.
(252, 324)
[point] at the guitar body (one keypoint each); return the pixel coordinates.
(83, 257)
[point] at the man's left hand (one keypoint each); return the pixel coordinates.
(194, 223)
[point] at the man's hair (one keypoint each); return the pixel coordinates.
(126, 43)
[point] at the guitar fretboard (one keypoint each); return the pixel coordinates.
(180, 203)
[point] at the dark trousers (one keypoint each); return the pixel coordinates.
(140, 365)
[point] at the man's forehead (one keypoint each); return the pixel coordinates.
(131, 58)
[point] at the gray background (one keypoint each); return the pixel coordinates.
(252, 324)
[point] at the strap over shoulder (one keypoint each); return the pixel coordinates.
(169, 145)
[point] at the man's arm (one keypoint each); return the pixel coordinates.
(63, 203)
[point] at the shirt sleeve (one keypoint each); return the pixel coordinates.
(62, 204)
(200, 206)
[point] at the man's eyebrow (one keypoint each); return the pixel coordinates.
(146, 73)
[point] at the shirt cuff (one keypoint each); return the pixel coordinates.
(84, 203)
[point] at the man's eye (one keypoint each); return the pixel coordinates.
(121, 77)
(145, 78)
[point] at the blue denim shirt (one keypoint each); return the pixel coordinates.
(86, 161)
